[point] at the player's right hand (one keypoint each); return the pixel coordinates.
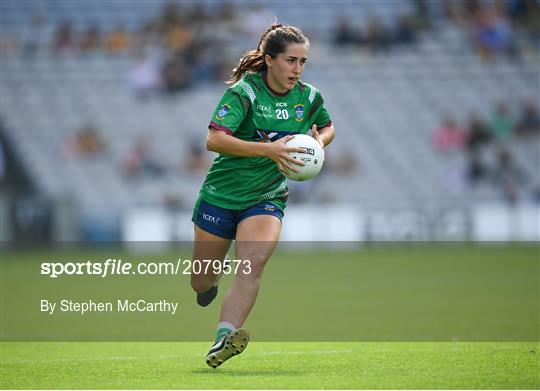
(278, 151)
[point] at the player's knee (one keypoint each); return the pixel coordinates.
(256, 266)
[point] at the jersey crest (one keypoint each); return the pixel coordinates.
(299, 112)
(223, 112)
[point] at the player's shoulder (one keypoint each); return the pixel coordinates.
(309, 91)
(247, 87)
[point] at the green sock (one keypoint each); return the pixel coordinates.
(224, 328)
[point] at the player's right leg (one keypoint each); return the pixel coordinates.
(207, 247)
(214, 232)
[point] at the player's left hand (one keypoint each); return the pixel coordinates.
(316, 135)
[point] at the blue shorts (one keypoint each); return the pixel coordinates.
(223, 222)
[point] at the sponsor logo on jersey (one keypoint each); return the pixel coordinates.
(263, 108)
(268, 136)
(299, 111)
(281, 104)
(270, 208)
(223, 112)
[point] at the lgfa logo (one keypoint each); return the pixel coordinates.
(211, 218)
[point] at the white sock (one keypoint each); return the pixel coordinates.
(223, 328)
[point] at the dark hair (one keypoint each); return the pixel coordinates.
(273, 41)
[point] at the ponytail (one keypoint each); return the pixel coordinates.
(273, 41)
(252, 61)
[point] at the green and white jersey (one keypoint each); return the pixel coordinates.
(251, 111)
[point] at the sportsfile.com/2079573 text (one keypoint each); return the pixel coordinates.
(111, 267)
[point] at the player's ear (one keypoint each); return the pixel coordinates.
(268, 60)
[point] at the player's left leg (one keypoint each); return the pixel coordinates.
(256, 239)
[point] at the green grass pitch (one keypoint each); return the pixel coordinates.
(271, 365)
(316, 363)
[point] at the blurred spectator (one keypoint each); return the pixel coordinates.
(177, 74)
(507, 27)
(508, 176)
(145, 77)
(178, 38)
(492, 32)
(421, 14)
(450, 136)
(377, 37)
(529, 123)
(181, 29)
(90, 39)
(476, 170)
(63, 38)
(140, 161)
(478, 134)
(344, 33)
(170, 16)
(405, 31)
(525, 15)
(118, 41)
(502, 123)
(35, 36)
(86, 143)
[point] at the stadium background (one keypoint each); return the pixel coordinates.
(103, 117)
(105, 107)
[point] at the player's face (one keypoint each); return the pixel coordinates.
(285, 70)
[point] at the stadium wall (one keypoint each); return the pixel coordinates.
(342, 223)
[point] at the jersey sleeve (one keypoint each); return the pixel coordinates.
(229, 113)
(317, 112)
(321, 117)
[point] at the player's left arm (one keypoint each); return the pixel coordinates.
(324, 135)
(322, 129)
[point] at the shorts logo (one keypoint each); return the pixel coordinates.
(223, 112)
(299, 111)
(270, 208)
(211, 218)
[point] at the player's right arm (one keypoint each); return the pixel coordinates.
(226, 144)
(228, 116)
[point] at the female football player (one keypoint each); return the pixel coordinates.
(245, 191)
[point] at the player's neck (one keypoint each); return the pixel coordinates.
(272, 85)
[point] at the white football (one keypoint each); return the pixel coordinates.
(313, 157)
